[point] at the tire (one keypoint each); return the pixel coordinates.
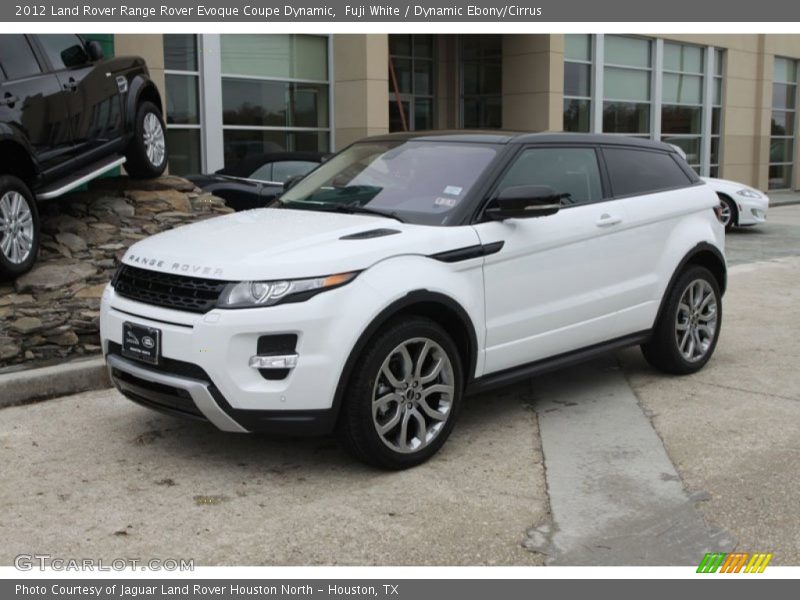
(681, 343)
(19, 228)
(730, 214)
(382, 360)
(147, 152)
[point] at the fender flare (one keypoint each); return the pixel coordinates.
(136, 88)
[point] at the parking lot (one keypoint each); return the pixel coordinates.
(605, 463)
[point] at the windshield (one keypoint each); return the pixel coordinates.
(413, 181)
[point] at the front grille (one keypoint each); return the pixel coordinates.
(190, 294)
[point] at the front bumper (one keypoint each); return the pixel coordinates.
(205, 371)
(752, 211)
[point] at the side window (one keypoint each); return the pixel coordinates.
(262, 173)
(16, 57)
(572, 171)
(643, 171)
(64, 50)
(281, 171)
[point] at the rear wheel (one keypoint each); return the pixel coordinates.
(147, 152)
(402, 403)
(19, 227)
(729, 214)
(688, 329)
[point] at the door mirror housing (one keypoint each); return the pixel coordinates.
(95, 50)
(524, 202)
(291, 182)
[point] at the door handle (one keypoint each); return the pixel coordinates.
(607, 220)
(9, 100)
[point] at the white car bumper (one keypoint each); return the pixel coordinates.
(752, 211)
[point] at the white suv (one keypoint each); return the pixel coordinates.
(409, 270)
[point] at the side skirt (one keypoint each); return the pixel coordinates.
(528, 370)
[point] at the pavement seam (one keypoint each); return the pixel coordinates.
(745, 391)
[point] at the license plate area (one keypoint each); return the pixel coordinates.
(141, 342)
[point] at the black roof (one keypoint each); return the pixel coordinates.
(498, 136)
(250, 163)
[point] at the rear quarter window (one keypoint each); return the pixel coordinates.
(643, 171)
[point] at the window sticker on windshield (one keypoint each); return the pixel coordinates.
(447, 202)
(452, 190)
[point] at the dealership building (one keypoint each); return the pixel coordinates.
(730, 101)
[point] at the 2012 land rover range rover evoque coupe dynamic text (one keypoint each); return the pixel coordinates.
(411, 269)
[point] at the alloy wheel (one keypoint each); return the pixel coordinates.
(696, 320)
(16, 227)
(725, 214)
(154, 139)
(413, 395)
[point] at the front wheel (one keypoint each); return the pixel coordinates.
(688, 329)
(402, 403)
(19, 227)
(147, 153)
(728, 212)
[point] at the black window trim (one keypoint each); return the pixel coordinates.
(693, 179)
(605, 181)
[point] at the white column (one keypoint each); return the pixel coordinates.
(656, 87)
(708, 101)
(211, 92)
(598, 59)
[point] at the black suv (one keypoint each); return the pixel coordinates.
(67, 115)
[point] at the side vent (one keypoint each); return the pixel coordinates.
(369, 234)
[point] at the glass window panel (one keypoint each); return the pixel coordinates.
(717, 101)
(423, 114)
(184, 151)
(686, 89)
(483, 112)
(17, 57)
(275, 55)
(780, 150)
(715, 150)
(782, 123)
(483, 78)
(637, 172)
(180, 52)
(182, 103)
(577, 79)
(690, 145)
(714, 171)
(626, 84)
(402, 72)
(239, 144)
(400, 44)
(783, 95)
(65, 50)
(719, 62)
(578, 46)
(577, 115)
(620, 50)
(395, 118)
(626, 117)
(681, 119)
(423, 77)
(309, 141)
(780, 177)
(785, 70)
(678, 57)
(481, 46)
(309, 105)
(252, 102)
(423, 46)
(716, 121)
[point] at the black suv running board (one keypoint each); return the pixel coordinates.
(77, 179)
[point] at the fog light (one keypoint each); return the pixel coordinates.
(283, 361)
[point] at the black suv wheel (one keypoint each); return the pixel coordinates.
(147, 153)
(19, 227)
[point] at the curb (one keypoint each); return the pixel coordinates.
(31, 385)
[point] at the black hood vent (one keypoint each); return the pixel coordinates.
(369, 234)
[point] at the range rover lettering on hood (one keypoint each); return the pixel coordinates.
(175, 267)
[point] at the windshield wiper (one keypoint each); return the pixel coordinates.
(361, 210)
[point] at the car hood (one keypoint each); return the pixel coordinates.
(280, 243)
(729, 186)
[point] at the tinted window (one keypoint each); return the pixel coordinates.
(64, 50)
(281, 171)
(17, 57)
(572, 171)
(642, 172)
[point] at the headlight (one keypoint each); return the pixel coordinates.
(248, 294)
(748, 193)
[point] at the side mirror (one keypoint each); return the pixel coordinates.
(291, 182)
(525, 201)
(95, 50)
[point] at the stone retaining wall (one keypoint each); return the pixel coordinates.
(52, 312)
